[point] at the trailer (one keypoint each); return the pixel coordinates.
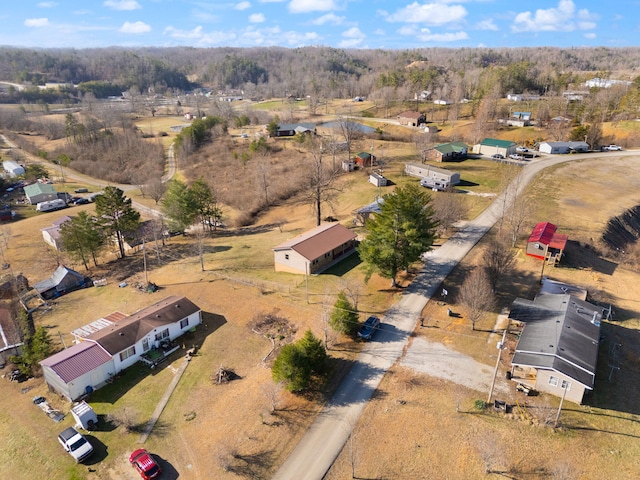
(51, 205)
(84, 416)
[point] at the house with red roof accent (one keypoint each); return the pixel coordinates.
(546, 244)
(315, 250)
(113, 343)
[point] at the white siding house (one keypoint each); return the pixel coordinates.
(117, 344)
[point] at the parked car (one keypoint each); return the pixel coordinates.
(522, 149)
(497, 156)
(612, 147)
(144, 463)
(515, 156)
(76, 444)
(81, 190)
(81, 201)
(369, 327)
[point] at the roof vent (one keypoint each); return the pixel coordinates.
(121, 334)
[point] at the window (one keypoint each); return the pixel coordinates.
(162, 334)
(127, 353)
(145, 344)
(184, 323)
(553, 381)
(566, 385)
(286, 256)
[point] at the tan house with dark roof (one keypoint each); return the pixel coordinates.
(116, 342)
(315, 250)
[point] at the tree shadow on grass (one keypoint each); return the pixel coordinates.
(253, 465)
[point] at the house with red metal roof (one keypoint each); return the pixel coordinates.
(116, 342)
(545, 243)
(315, 250)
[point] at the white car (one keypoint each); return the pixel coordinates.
(76, 444)
(522, 149)
(612, 148)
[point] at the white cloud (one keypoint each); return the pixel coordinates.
(487, 25)
(242, 6)
(425, 35)
(303, 6)
(256, 18)
(560, 19)
(408, 30)
(135, 27)
(353, 32)
(379, 31)
(428, 13)
(590, 36)
(329, 19)
(122, 4)
(47, 4)
(36, 22)
(177, 33)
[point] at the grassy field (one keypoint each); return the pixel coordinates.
(414, 422)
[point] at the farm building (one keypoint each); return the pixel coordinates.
(63, 281)
(563, 147)
(40, 192)
(558, 348)
(423, 170)
(316, 250)
(51, 235)
(413, 119)
(544, 243)
(12, 169)
(112, 346)
(494, 146)
(291, 129)
(365, 159)
(447, 152)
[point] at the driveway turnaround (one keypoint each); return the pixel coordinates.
(312, 458)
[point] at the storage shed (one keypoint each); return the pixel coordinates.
(545, 243)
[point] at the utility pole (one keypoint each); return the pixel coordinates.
(564, 393)
(495, 371)
(144, 261)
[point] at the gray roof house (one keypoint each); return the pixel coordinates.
(558, 349)
(51, 235)
(63, 280)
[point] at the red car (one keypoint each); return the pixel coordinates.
(144, 463)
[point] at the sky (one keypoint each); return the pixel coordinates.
(386, 24)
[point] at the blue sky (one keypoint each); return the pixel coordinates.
(389, 24)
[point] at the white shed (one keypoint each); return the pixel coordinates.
(12, 169)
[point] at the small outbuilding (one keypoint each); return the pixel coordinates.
(546, 244)
(316, 250)
(51, 235)
(365, 159)
(12, 169)
(63, 281)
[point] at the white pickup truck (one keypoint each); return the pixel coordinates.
(611, 148)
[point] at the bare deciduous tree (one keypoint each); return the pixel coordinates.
(476, 295)
(320, 179)
(448, 207)
(498, 260)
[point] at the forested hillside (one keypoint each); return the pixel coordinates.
(321, 71)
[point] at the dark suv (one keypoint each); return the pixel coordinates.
(369, 328)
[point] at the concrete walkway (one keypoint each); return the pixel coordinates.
(163, 401)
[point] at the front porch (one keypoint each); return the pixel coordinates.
(157, 355)
(525, 375)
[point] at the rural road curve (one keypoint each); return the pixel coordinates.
(313, 456)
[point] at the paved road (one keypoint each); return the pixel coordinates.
(321, 445)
